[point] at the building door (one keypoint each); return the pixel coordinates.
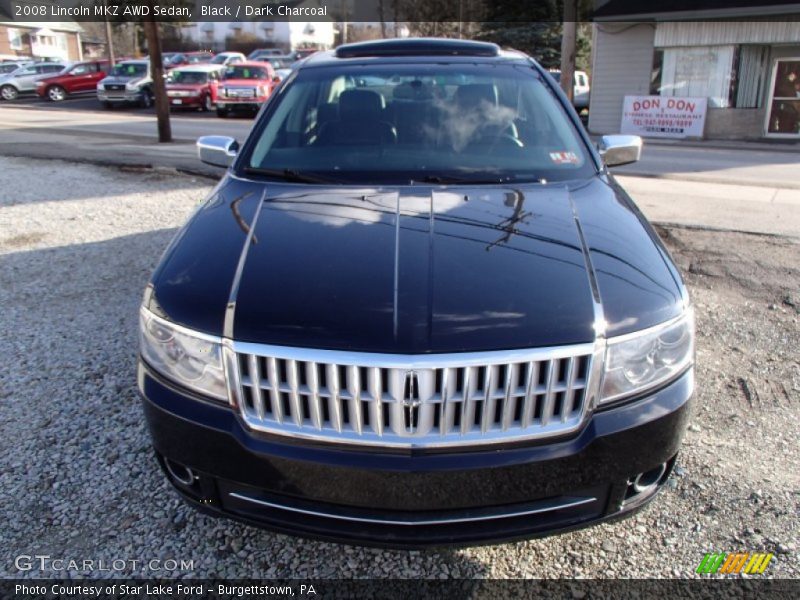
(783, 114)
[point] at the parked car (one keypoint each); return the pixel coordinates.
(304, 53)
(194, 86)
(580, 88)
(128, 82)
(228, 58)
(174, 59)
(193, 58)
(422, 312)
(245, 87)
(79, 78)
(279, 62)
(8, 67)
(23, 80)
(263, 53)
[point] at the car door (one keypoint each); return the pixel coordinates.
(25, 80)
(79, 79)
(100, 73)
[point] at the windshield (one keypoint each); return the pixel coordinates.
(129, 70)
(435, 123)
(238, 72)
(187, 77)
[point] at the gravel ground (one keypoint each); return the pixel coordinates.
(79, 480)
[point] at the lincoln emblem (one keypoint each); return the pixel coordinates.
(411, 390)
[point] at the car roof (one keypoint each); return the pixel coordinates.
(135, 61)
(416, 50)
(230, 54)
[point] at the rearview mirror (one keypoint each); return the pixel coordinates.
(620, 149)
(217, 150)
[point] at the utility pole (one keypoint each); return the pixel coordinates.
(568, 43)
(151, 29)
(109, 38)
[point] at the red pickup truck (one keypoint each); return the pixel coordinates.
(245, 86)
(194, 86)
(81, 77)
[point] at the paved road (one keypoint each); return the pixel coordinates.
(722, 165)
(756, 191)
(750, 167)
(86, 115)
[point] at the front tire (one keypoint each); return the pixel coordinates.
(56, 93)
(9, 92)
(147, 99)
(208, 103)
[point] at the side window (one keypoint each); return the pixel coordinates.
(80, 70)
(53, 68)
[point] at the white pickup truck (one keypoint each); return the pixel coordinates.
(580, 88)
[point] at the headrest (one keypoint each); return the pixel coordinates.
(473, 95)
(360, 104)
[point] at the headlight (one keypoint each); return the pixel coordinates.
(645, 359)
(132, 86)
(189, 358)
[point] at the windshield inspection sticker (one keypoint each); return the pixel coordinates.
(564, 158)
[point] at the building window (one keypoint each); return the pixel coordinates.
(702, 71)
(14, 39)
(751, 80)
(729, 76)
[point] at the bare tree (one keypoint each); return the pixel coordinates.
(568, 47)
(151, 28)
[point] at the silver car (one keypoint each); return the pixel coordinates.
(23, 80)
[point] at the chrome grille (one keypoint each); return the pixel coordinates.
(396, 400)
(233, 92)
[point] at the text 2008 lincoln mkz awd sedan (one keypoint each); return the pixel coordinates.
(417, 310)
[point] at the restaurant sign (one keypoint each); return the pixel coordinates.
(662, 116)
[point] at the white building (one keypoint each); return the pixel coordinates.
(288, 35)
(745, 60)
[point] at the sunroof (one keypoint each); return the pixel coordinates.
(418, 47)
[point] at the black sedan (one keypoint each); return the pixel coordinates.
(417, 310)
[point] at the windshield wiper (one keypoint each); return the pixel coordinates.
(288, 175)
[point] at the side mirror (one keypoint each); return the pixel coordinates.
(618, 150)
(276, 79)
(217, 150)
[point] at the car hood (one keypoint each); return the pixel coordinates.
(120, 80)
(416, 269)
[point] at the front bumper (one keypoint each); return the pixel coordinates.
(239, 104)
(119, 96)
(185, 101)
(419, 498)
